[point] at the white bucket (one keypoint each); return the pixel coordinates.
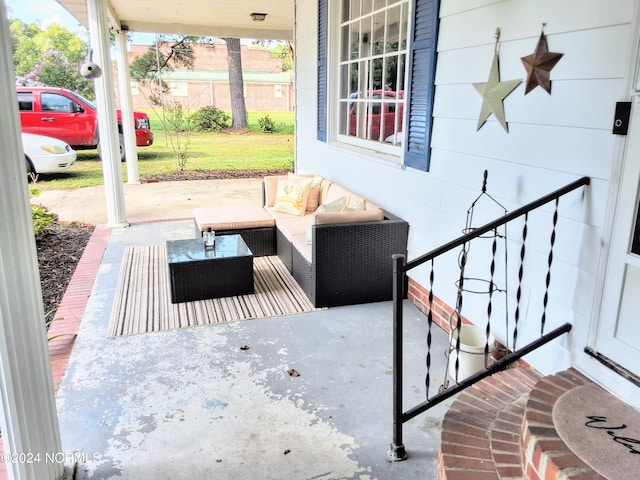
(471, 355)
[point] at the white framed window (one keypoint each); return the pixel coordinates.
(179, 89)
(134, 88)
(373, 40)
(348, 74)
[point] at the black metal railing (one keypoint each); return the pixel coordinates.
(397, 449)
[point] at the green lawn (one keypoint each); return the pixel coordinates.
(251, 150)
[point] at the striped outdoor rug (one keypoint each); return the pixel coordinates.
(143, 302)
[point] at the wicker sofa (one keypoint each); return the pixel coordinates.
(337, 257)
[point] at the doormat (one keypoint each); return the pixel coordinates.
(142, 301)
(603, 431)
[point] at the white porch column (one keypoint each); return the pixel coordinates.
(128, 127)
(28, 415)
(107, 121)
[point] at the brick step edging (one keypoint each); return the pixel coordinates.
(480, 437)
(545, 456)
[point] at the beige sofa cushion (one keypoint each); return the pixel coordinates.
(299, 243)
(349, 216)
(314, 194)
(270, 187)
(332, 192)
(293, 225)
(231, 217)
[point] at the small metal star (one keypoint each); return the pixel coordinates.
(493, 93)
(539, 64)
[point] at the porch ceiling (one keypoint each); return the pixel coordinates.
(222, 18)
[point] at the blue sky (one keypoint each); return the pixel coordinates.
(43, 12)
(46, 12)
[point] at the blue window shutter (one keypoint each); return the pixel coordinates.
(323, 19)
(422, 63)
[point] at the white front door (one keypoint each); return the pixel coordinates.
(618, 335)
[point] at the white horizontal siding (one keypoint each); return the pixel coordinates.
(552, 140)
(467, 23)
(571, 150)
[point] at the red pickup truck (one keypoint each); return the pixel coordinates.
(378, 123)
(67, 116)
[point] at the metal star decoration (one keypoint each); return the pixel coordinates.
(493, 93)
(539, 64)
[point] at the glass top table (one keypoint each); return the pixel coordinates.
(192, 250)
(196, 273)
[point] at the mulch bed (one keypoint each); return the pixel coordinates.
(210, 175)
(59, 249)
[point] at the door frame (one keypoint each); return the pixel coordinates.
(598, 366)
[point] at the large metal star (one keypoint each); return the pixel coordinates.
(493, 93)
(539, 64)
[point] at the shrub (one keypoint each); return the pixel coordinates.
(41, 218)
(266, 124)
(209, 119)
(179, 127)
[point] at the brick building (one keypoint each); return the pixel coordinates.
(266, 86)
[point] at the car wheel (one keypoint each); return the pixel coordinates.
(30, 167)
(123, 157)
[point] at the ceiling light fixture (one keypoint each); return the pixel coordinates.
(258, 17)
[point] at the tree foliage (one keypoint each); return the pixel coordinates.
(51, 56)
(284, 51)
(30, 42)
(168, 53)
(55, 70)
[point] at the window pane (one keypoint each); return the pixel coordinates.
(345, 10)
(354, 73)
(355, 9)
(344, 47)
(371, 71)
(404, 26)
(344, 81)
(378, 33)
(399, 86)
(365, 32)
(393, 30)
(52, 102)
(355, 40)
(343, 121)
(367, 6)
(25, 102)
(357, 125)
(378, 74)
(363, 78)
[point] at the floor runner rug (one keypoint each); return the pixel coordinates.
(142, 301)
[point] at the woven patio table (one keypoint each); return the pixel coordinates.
(198, 274)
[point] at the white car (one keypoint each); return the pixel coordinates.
(46, 154)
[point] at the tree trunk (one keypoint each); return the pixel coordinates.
(236, 84)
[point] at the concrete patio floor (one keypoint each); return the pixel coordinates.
(192, 404)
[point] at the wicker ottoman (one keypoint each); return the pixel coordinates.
(252, 222)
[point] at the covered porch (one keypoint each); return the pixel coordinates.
(197, 403)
